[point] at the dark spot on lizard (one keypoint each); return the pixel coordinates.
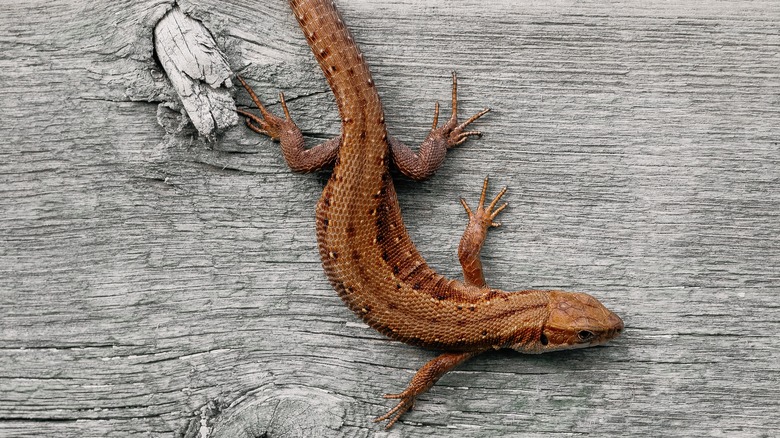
(417, 286)
(350, 231)
(385, 256)
(333, 68)
(355, 255)
(339, 286)
(392, 306)
(351, 72)
(396, 269)
(379, 237)
(348, 290)
(441, 294)
(362, 135)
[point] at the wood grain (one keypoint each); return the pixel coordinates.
(155, 284)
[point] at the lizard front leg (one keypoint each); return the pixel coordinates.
(422, 381)
(431, 154)
(480, 220)
(289, 135)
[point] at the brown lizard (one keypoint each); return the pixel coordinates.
(366, 251)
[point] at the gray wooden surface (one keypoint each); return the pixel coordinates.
(153, 284)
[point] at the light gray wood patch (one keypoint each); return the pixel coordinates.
(198, 71)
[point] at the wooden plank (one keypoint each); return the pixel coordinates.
(155, 284)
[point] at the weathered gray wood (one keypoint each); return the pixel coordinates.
(198, 71)
(154, 284)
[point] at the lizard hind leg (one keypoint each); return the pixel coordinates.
(480, 220)
(421, 165)
(289, 135)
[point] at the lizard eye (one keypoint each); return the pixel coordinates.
(543, 339)
(585, 335)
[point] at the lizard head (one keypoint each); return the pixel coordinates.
(576, 320)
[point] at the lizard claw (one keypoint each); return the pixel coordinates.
(455, 133)
(405, 403)
(267, 123)
(486, 215)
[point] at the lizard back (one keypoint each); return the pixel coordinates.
(366, 251)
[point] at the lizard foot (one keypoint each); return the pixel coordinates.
(289, 135)
(455, 133)
(423, 164)
(405, 403)
(484, 217)
(267, 124)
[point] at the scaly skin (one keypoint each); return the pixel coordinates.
(367, 253)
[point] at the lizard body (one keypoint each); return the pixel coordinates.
(366, 251)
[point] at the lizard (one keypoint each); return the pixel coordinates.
(366, 251)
